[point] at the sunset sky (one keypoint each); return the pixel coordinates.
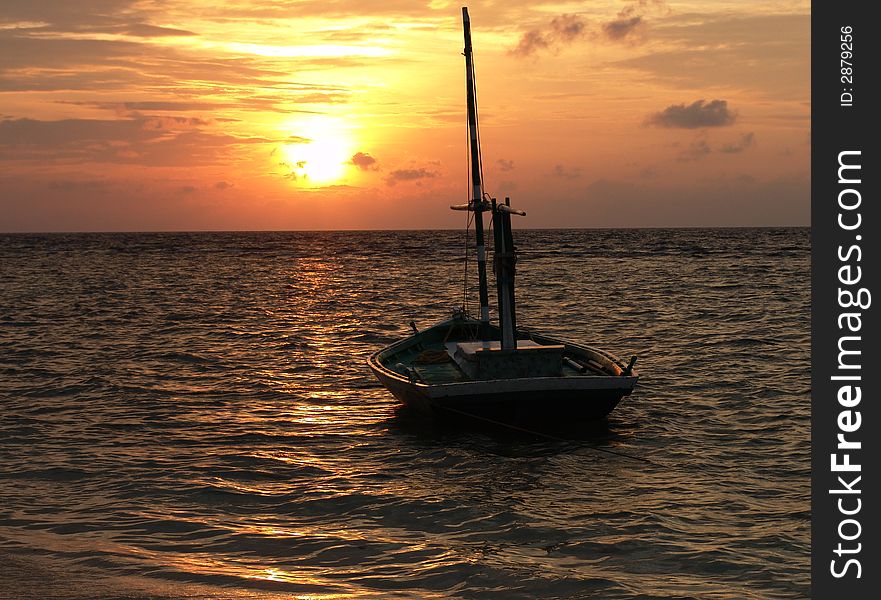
(342, 114)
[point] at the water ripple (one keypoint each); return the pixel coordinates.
(189, 415)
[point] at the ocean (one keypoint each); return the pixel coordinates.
(190, 415)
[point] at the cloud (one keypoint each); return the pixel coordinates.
(622, 27)
(364, 161)
(147, 141)
(505, 165)
(696, 150)
(166, 105)
(561, 31)
(567, 27)
(56, 63)
(166, 122)
(218, 83)
(19, 51)
(147, 30)
(41, 61)
(530, 42)
(631, 19)
(566, 172)
(745, 141)
(690, 56)
(696, 115)
(409, 175)
(72, 15)
(700, 148)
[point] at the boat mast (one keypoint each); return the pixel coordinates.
(504, 268)
(477, 204)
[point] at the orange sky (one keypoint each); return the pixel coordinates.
(343, 114)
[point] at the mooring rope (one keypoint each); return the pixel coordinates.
(549, 436)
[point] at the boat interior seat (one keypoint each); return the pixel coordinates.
(447, 372)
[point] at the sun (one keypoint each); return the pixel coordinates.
(321, 152)
(317, 161)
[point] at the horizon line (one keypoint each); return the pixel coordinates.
(140, 231)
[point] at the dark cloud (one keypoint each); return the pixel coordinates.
(364, 161)
(561, 31)
(700, 148)
(45, 23)
(505, 165)
(566, 172)
(696, 150)
(147, 30)
(567, 27)
(35, 62)
(289, 169)
(167, 122)
(18, 135)
(165, 106)
(149, 141)
(409, 175)
(530, 42)
(696, 115)
(745, 141)
(23, 51)
(20, 80)
(622, 27)
(222, 185)
(631, 20)
(69, 14)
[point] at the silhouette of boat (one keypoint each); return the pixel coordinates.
(467, 365)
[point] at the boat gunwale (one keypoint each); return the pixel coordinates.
(629, 381)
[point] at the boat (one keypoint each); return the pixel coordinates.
(468, 365)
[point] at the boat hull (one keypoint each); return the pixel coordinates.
(510, 406)
(586, 397)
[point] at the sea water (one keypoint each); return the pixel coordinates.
(191, 416)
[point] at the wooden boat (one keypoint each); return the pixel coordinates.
(470, 366)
